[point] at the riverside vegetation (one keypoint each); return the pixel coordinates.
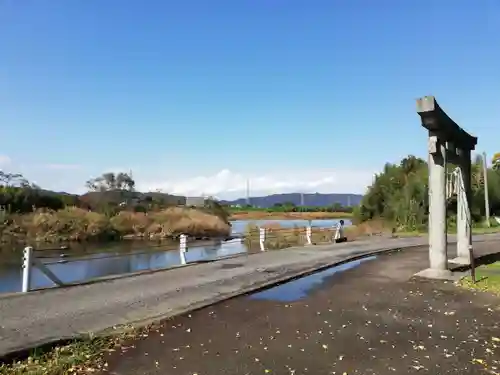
(399, 196)
(112, 209)
(397, 204)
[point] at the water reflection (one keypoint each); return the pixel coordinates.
(239, 226)
(300, 288)
(107, 263)
(84, 262)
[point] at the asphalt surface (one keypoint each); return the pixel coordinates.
(35, 318)
(371, 319)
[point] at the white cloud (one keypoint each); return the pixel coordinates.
(4, 160)
(227, 184)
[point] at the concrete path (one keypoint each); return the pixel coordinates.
(45, 316)
(373, 319)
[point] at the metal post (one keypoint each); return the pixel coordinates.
(472, 265)
(486, 193)
(27, 256)
(262, 238)
(308, 234)
(183, 248)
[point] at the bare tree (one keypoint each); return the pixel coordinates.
(14, 179)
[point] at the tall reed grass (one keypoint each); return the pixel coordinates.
(76, 224)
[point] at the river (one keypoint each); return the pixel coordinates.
(84, 262)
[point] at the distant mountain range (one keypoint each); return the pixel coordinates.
(93, 199)
(316, 199)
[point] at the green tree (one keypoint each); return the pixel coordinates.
(496, 161)
(399, 194)
(110, 182)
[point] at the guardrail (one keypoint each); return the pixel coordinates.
(266, 238)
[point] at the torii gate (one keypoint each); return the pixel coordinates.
(447, 142)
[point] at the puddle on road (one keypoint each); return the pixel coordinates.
(300, 288)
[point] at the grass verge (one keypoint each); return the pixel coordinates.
(83, 356)
(488, 279)
(452, 230)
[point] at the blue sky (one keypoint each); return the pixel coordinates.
(196, 96)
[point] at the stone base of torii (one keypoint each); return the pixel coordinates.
(447, 143)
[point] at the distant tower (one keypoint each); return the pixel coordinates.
(302, 199)
(348, 201)
(248, 192)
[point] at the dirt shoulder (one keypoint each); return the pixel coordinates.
(372, 319)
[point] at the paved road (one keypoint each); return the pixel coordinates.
(372, 319)
(45, 316)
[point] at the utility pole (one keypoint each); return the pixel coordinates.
(486, 196)
(248, 192)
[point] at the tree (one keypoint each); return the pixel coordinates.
(13, 179)
(336, 207)
(111, 182)
(399, 194)
(17, 194)
(496, 162)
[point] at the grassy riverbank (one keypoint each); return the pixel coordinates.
(76, 224)
(488, 279)
(82, 356)
(477, 229)
(278, 237)
(266, 215)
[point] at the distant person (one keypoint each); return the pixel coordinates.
(339, 232)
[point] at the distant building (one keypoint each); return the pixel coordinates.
(195, 201)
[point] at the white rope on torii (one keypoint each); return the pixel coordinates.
(452, 183)
(455, 187)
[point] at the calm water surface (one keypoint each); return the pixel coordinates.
(240, 225)
(85, 262)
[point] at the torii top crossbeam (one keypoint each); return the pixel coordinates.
(437, 121)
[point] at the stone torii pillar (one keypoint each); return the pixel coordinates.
(448, 142)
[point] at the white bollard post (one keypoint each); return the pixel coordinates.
(262, 238)
(183, 248)
(27, 262)
(309, 234)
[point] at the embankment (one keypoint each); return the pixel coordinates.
(76, 224)
(265, 215)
